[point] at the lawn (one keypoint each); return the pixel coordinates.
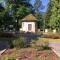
(54, 40)
(51, 40)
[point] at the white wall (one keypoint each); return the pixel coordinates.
(25, 26)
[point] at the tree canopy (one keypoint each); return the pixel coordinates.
(55, 14)
(14, 10)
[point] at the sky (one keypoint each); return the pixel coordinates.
(3, 3)
(44, 2)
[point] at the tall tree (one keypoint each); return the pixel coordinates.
(37, 5)
(2, 12)
(15, 10)
(55, 14)
(48, 14)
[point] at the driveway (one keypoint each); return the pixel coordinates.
(55, 47)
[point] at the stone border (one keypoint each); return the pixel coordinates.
(56, 52)
(1, 52)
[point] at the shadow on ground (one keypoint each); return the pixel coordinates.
(4, 45)
(28, 38)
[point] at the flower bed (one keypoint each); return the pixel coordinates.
(29, 54)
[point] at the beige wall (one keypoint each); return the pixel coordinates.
(25, 26)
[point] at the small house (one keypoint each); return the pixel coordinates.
(29, 23)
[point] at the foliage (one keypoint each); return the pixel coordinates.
(47, 18)
(13, 42)
(19, 42)
(40, 44)
(40, 21)
(54, 14)
(20, 7)
(51, 35)
(37, 5)
(15, 10)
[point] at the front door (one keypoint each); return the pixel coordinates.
(29, 27)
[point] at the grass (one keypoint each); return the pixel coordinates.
(51, 40)
(54, 40)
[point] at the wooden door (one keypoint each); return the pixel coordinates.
(29, 27)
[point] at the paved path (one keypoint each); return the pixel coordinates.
(55, 48)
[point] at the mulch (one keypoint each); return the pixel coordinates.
(33, 55)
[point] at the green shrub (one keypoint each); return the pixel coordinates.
(19, 42)
(34, 45)
(40, 44)
(51, 35)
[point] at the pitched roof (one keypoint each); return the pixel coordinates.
(29, 18)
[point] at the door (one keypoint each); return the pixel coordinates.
(29, 27)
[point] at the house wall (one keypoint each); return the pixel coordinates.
(25, 26)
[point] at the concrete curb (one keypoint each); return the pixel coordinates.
(56, 52)
(1, 52)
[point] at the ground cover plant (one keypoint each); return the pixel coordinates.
(40, 44)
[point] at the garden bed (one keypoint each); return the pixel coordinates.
(29, 54)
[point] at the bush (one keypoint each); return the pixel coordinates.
(19, 42)
(40, 44)
(7, 34)
(51, 35)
